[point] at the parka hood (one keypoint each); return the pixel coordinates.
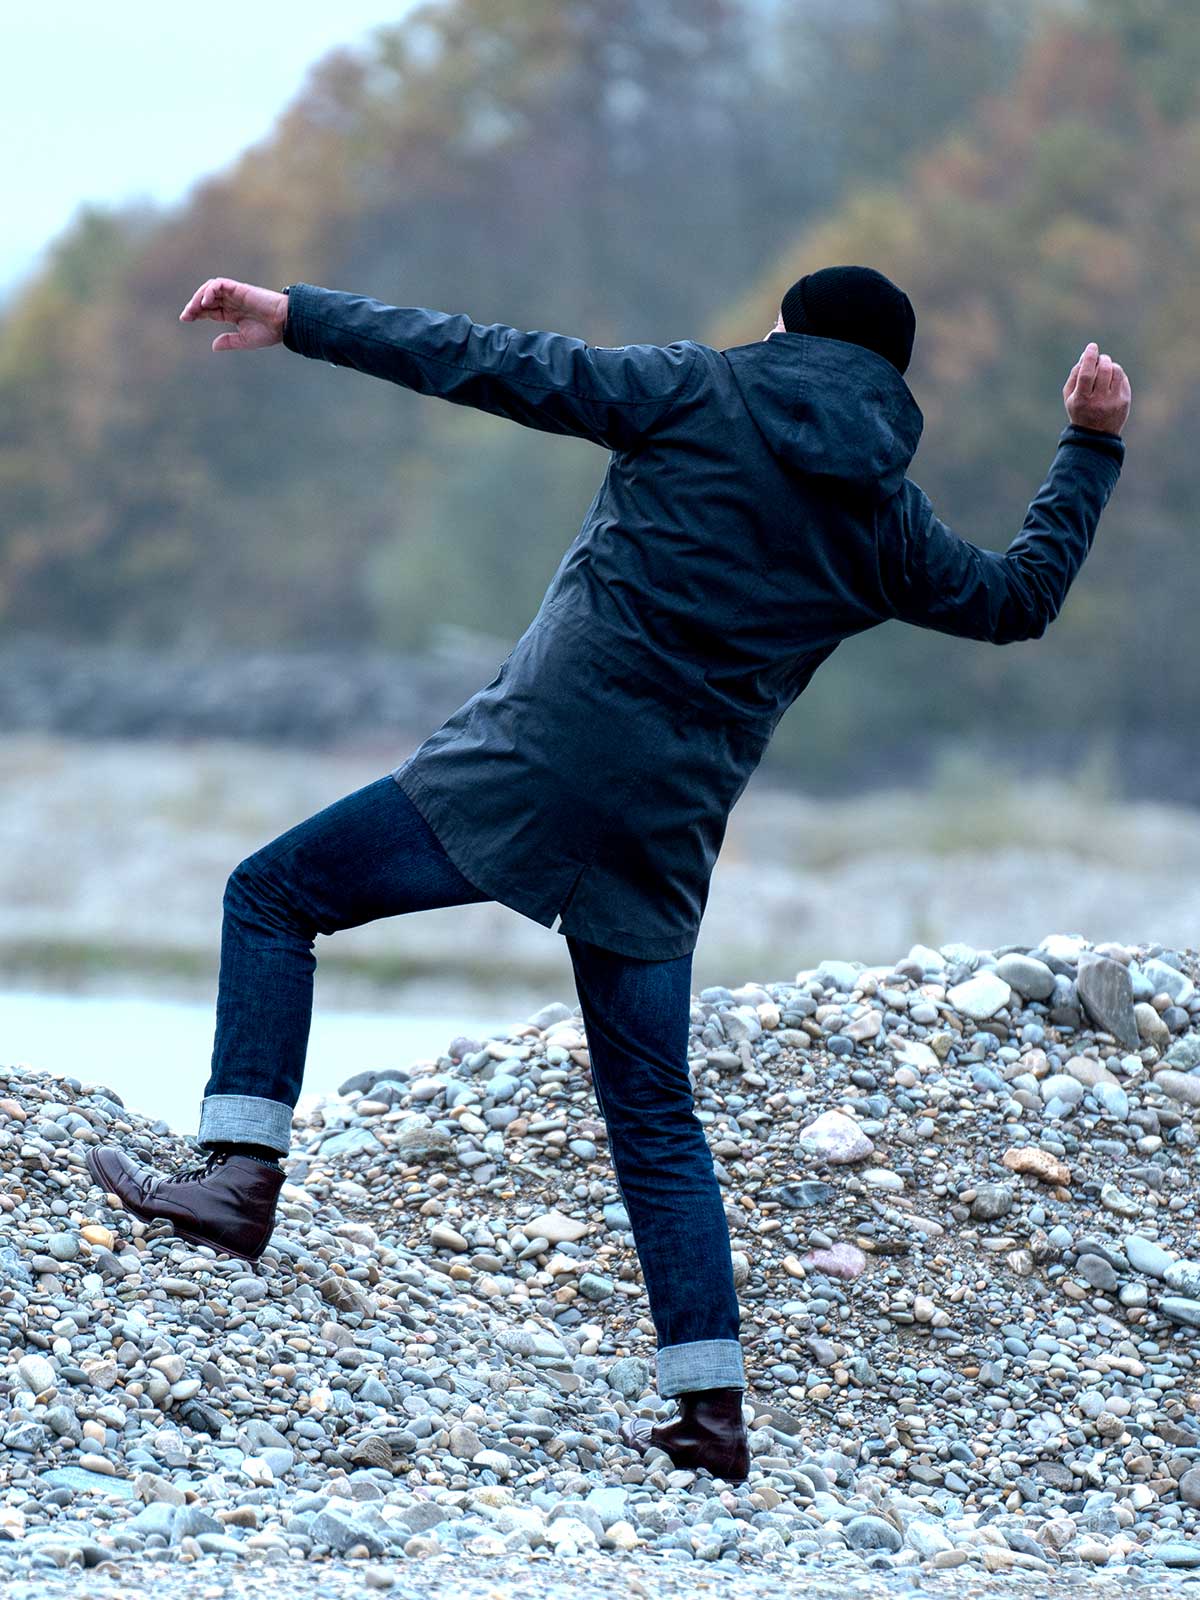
(829, 408)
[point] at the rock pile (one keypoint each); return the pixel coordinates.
(963, 1204)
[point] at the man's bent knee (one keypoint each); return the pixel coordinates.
(256, 891)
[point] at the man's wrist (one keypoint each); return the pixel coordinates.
(1105, 433)
(1095, 441)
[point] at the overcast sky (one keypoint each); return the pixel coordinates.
(141, 98)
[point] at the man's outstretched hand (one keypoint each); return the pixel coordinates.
(258, 315)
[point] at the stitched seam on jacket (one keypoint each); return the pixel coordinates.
(488, 372)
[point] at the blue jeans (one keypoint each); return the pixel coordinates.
(373, 855)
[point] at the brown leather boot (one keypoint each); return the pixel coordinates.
(708, 1432)
(227, 1201)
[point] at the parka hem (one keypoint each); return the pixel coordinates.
(501, 889)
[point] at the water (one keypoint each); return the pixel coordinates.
(156, 1053)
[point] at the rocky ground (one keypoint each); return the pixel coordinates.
(961, 1191)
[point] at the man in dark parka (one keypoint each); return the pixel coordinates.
(755, 512)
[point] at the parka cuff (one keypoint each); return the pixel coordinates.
(1109, 444)
(301, 332)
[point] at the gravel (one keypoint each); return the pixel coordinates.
(970, 1310)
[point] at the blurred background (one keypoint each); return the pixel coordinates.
(232, 591)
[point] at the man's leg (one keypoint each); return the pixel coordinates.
(637, 1014)
(367, 856)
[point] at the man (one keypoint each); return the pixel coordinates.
(754, 513)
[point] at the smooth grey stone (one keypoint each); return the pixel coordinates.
(1061, 1086)
(215, 1544)
(840, 975)
(630, 1377)
(1031, 978)
(1181, 1309)
(1175, 1553)
(1114, 1099)
(351, 1141)
(741, 1024)
(1181, 1086)
(257, 1432)
(424, 1514)
(155, 1518)
(928, 1538)
(556, 1011)
(342, 1533)
(1169, 980)
(374, 1393)
(81, 1479)
(63, 1421)
(872, 1533)
(1147, 1255)
(1106, 994)
(609, 1502)
(992, 1200)
(360, 1083)
(191, 1520)
(1096, 1271)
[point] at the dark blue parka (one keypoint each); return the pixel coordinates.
(755, 513)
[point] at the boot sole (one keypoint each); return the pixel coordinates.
(150, 1216)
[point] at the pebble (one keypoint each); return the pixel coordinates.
(963, 1223)
(1038, 1163)
(556, 1228)
(980, 997)
(1146, 1255)
(835, 1138)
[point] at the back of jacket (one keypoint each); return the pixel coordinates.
(767, 516)
(755, 512)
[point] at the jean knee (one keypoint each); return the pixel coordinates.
(255, 892)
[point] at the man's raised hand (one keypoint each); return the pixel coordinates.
(1097, 393)
(258, 315)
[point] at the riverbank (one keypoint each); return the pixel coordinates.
(114, 856)
(962, 1197)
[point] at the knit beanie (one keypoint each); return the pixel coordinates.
(856, 304)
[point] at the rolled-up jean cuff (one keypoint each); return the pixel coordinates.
(245, 1119)
(702, 1364)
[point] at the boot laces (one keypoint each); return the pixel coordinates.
(201, 1169)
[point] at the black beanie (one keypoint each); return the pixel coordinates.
(856, 304)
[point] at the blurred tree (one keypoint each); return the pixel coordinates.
(1039, 225)
(633, 169)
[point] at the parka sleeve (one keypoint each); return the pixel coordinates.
(935, 579)
(612, 396)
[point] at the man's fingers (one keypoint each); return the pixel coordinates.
(1088, 363)
(202, 298)
(213, 298)
(194, 307)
